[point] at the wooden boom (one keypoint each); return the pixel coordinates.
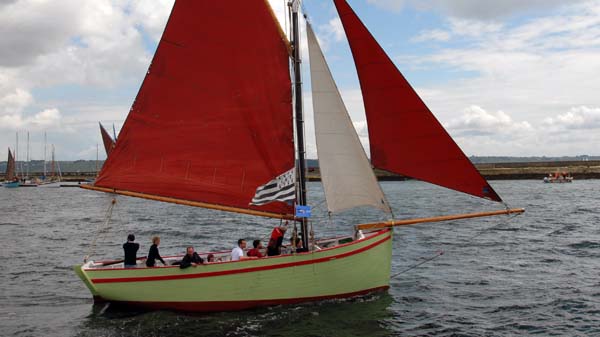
(190, 203)
(393, 223)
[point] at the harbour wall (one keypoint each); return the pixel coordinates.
(491, 171)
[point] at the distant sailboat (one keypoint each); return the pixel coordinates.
(27, 181)
(11, 180)
(214, 120)
(107, 140)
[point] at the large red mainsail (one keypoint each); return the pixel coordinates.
(107, 140)
(405, 137)
(213, 118)
(10, 167)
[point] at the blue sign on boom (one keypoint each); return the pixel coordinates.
(302, 211)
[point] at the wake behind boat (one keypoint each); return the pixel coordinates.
(216, 120)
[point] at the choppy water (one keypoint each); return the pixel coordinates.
(535, 274)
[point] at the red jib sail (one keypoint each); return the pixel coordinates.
(10, 167)
(213, 118)
(405, 137)
(109, 143)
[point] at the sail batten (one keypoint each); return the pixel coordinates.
(213, 118)
(404, 136)
(348, 179)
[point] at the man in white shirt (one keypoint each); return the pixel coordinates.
(237, 253)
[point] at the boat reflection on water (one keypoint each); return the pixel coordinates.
(370, 315)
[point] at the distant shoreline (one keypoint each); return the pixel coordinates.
(511, 171)
(491, 171)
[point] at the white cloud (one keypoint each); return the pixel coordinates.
(13, 102)
(336, 29)
(473, 28)
(78, 46)
(151, 16)
(475, 9)
(579, 118)
(462, 28)
(432, 35)
(27, 31)
(44, 119)
(362, 129)
(534, 72)
(475, 121)
(395, 5)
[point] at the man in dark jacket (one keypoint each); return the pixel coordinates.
(191, 258)
(130, 248)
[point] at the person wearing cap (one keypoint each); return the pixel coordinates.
(130, 249)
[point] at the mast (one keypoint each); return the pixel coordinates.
(17, 156)
(45, 150)
(96, 159)
(301, 165)
(27, 175)
(52, 163)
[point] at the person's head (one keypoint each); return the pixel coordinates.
(296, 242)
(130, 237)
(210, 258)
(156, 240)
(242, 243)
(256, 244)
(189, 250)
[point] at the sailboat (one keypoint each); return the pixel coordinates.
(27, 181)
(215, 119)
(107, 140)
(11, 180)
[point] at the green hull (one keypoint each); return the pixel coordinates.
(347, 270)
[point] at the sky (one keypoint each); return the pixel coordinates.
(506, 78)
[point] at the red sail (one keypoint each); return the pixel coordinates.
(10, 167)
(405, 137)
(109, 143)
(213, 118)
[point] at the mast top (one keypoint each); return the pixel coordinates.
(294, 5)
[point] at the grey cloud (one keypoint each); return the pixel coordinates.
(476, 9)
(30, 30)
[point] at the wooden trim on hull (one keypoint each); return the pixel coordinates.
(213, 306)
(240, 271)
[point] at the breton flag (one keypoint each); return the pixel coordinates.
(282, 188)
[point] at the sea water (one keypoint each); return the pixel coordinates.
(532, 274)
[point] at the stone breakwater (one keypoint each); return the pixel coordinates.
(512, 171)
(491, 171)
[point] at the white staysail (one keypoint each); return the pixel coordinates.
(347, 176)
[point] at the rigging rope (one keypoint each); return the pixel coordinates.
(431, 258)
(101, 229)
(468, 240)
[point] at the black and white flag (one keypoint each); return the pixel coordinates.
(282, 188)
